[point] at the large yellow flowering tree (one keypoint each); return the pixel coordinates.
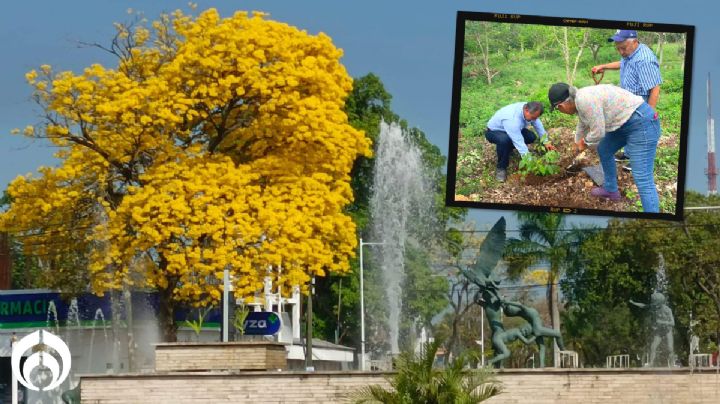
(215, 143)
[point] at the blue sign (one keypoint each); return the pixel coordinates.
(47, 309)
(262, 323)
(32, 309)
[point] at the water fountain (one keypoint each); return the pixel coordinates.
(98, 316)
(661, 281)
(400, 192)
(52, 310)
(73, 316)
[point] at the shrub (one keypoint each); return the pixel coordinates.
(417, 381)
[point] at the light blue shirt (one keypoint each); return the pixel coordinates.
(511, 120)
(640, 72)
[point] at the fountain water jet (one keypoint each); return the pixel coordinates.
(401, 198)
(52, 310)
(73, 316)
(98, 316)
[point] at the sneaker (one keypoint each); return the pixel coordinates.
(601, 192)
(621, 157)
(501, 174)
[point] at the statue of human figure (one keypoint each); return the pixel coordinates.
(538, 330)
(529, 314)
(502, 337)
(663, 323)
(534, 330)
(492, 305)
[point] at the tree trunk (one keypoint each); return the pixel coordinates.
(565, 48)
(554, 311)
(660, 48)
(579, 53)
(484, 44)
(127, 297)
(566, 54)
(459, 312)
(166, 315)
(454, 336)
(486, 60)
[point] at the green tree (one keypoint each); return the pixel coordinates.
(572, 42)
(460, 326)
(621, 263)
(425, 298)
(338, 297)
(481, 41)
(597, 38)
(692, 259)
(617, 264)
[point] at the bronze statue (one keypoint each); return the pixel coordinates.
(481, 274)
(502, 337)
(529, 314)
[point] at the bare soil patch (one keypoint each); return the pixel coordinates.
(567, 189)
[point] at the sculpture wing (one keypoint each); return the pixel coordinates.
(491, 250)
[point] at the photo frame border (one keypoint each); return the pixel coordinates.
(464, 16)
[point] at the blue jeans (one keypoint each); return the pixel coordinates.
(639, 135)
(505, 145)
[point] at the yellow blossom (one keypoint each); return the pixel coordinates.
(220, 143)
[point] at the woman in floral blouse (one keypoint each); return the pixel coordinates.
(610, 118)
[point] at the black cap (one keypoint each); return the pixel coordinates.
(558, 93)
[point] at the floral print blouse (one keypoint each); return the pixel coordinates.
(601, 109)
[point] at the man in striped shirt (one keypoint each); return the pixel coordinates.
(639, 69)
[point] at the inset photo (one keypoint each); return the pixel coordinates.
(569, 115)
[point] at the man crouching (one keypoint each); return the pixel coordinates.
(508, 128)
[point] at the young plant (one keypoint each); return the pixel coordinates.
(197, 324)
(241, 314)
(545, 163)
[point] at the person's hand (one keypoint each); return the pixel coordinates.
(597, 69)
(549, 146)
(580, 146)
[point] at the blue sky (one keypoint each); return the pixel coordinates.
(408, 44)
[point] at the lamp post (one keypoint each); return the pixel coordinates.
(362, 304)
(481, 342)
(14, 381)
(226, 305)
(482, 336)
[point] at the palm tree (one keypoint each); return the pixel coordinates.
(418, 382)
(544, 239)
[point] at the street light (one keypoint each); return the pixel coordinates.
(362, 305)
(481, 342)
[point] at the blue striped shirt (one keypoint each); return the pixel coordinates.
(640, 72)
(511, 120)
